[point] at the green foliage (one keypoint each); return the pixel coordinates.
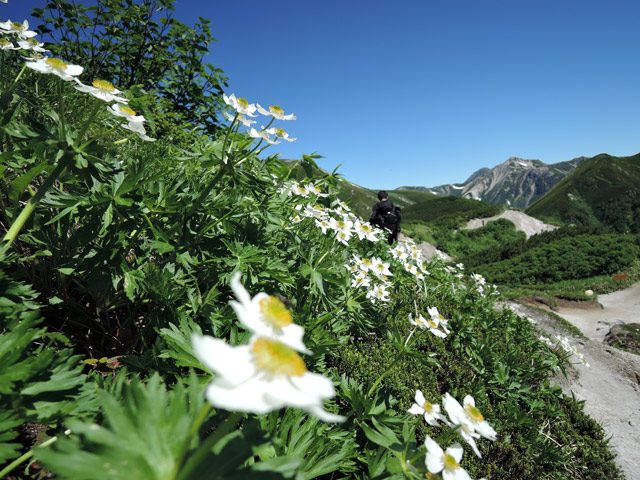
(462, 243)
(39, 382)
(566, 259)
(450, 210)
(140, 44)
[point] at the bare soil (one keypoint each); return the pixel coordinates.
(610, 387)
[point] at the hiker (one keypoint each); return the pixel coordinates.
(386, 216)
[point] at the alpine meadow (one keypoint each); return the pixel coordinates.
(177, 302)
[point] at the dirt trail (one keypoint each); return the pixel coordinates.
(610, 387)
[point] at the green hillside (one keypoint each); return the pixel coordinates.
(602, 191)
(443, 208)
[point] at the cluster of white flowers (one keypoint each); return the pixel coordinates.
(268, 373)
(566, 346)
(372, 274)
(457, 271)
(436, 323)
(245, 111)
(339, 220)
(466, 419)
(411, 258)
(100, 89)
(571, 349)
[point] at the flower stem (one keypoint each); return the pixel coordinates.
(85, 127)
(205, 449)
(19, 222)
(192, 431)
(5, 471)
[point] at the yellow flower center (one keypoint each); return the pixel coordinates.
(474, 413)
(277, 358)
(104, 86)
(127, 110)
(17, 26)
(33, 42)
(276, 109)
(243, 102)
(274, 312)
(366, 261)
(56, 63)
(4, 41)
(432, 323)
(450, 462)
(427, 407)
(430, 476)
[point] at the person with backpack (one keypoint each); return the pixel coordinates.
(386, 216)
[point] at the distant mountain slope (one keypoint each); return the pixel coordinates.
(444, 208)
(603, 190)
(516, 182)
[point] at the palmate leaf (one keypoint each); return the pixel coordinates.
(142, 436)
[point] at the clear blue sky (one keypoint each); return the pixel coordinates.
(426, 92)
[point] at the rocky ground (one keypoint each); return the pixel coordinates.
(524, 223)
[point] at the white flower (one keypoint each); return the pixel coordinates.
(7, 45)
(365, 230)
(323, 224)
(280, 133)
(103, 90)
(360, 280)
(469, 418)
(125, 112)
(315, 211)
(32, 44)
(55, 66)
(260, 377)
(430, 411)
(312, 189)
(266, 316)
(240, 105)
(298, 190)
(378, 292)
(343, 236)
(297, 219)
(435, 315)
(241, 118)
(364, 263)
(21, 29)
(263, 135)
(431, 324)
(276, 112)
(379, 268)
(341, 225)
(445, 462)
(398, 253)
(546, 340)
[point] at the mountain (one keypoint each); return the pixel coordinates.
(602, 191)
(516, 182)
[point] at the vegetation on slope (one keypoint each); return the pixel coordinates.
(134, 264)
(602, 191)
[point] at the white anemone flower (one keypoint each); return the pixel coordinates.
(365, 230)
(103, 90)
(430, 323)
(138, 128)
(436, 316)
(263, 135)
(315, 211)
(260, 377)
(398, 253)
(280, 133)
(240, 105)
(469, 418)
(343, 236)
(430, 411)
(322, 224)
(360, 280)
(266, 316)
(297, 219)
(240, 118)
(445, 462)
(312, 189)
(125, 112)
(7, 45)
(378, 292)
(341, 225)
(20, 29)
(298, 190)
(277, 112)
(380, 268)
(32, 44)
(66, 72)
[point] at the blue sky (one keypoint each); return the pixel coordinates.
(427, 92)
